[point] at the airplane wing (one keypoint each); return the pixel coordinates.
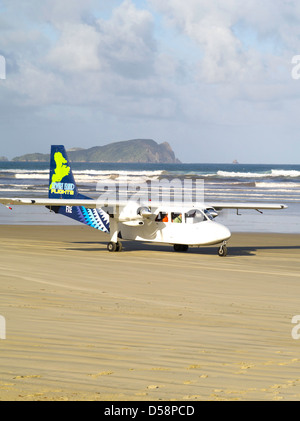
(95, 203)
(245, 205)
(121, 210)
(48, 202)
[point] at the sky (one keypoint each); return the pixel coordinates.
(217, 79)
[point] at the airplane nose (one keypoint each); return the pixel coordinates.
(225, 234)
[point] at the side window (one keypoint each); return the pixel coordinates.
(162, 217)
(190, 216)
(176, 217)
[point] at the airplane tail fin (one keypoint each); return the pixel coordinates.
(61, 181)
(62, 185)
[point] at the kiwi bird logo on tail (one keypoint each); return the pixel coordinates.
(61, 169)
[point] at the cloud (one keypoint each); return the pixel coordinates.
(238, 39)
(107, 50)
(113, 64)
(76, 49)
(123, 44)
(172, 70)
(127, 41)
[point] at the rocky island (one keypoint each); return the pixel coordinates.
(135, 150)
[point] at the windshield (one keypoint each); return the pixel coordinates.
(208, 214)
(193, 216)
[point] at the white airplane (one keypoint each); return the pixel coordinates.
(177, 224)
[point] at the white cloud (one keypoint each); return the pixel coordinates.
(226, 58)
(76, 49)
(28, 12)
(127, 41)
(113, 64)
(220, 64)
(123, 44)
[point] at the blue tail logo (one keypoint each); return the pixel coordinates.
(62, 186)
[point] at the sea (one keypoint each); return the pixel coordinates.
(234, 182)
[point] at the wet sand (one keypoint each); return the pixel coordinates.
(147, 323)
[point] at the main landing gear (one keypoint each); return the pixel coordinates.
(223, 250)
(112, 246)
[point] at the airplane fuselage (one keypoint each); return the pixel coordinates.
(192, 231)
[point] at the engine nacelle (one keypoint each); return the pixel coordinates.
(130, 212)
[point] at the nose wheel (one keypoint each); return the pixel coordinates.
(222, 252)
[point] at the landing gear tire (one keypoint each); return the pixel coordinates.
(112, 247)
(222, 250)
(180, 247)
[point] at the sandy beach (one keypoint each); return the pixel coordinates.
(147, 323)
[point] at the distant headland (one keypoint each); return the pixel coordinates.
(135, 150)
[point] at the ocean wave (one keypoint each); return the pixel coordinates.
(229, 174)
(119, 172)
(19, 189)
(277, 185)
(285, 173)
(220, 174)
(96, 176)
(33, 175)
(267, 174)
(19, 170)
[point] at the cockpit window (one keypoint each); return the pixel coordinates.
(193, 216)
(208, 214)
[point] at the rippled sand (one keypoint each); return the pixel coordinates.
(147, 323)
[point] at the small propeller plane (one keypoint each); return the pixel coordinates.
(180, 225)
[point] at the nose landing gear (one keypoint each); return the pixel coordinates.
(222, 252)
